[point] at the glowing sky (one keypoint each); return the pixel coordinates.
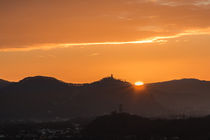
(85, 40)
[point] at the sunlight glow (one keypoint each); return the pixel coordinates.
(139, 83)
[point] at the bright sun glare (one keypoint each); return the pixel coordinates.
(139, 83)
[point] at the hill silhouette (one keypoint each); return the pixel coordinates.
(3, 83)
(46, 98)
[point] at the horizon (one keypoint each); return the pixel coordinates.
(117, 78)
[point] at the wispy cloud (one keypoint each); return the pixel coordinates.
(157, 39)
(94, 54)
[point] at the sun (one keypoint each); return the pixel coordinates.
(139, 83)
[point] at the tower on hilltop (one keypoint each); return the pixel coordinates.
(120, 108)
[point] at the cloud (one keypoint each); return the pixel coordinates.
(203, 3)
(24, 24)
(157, 39)
(180, 2)
(94, 54)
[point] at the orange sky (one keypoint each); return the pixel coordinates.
(85, 40)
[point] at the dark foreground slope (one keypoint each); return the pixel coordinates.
(126, 126)
(46, 98)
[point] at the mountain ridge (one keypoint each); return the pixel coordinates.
(39, 77)
(45, 98)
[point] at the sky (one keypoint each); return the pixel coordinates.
(81, 41)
